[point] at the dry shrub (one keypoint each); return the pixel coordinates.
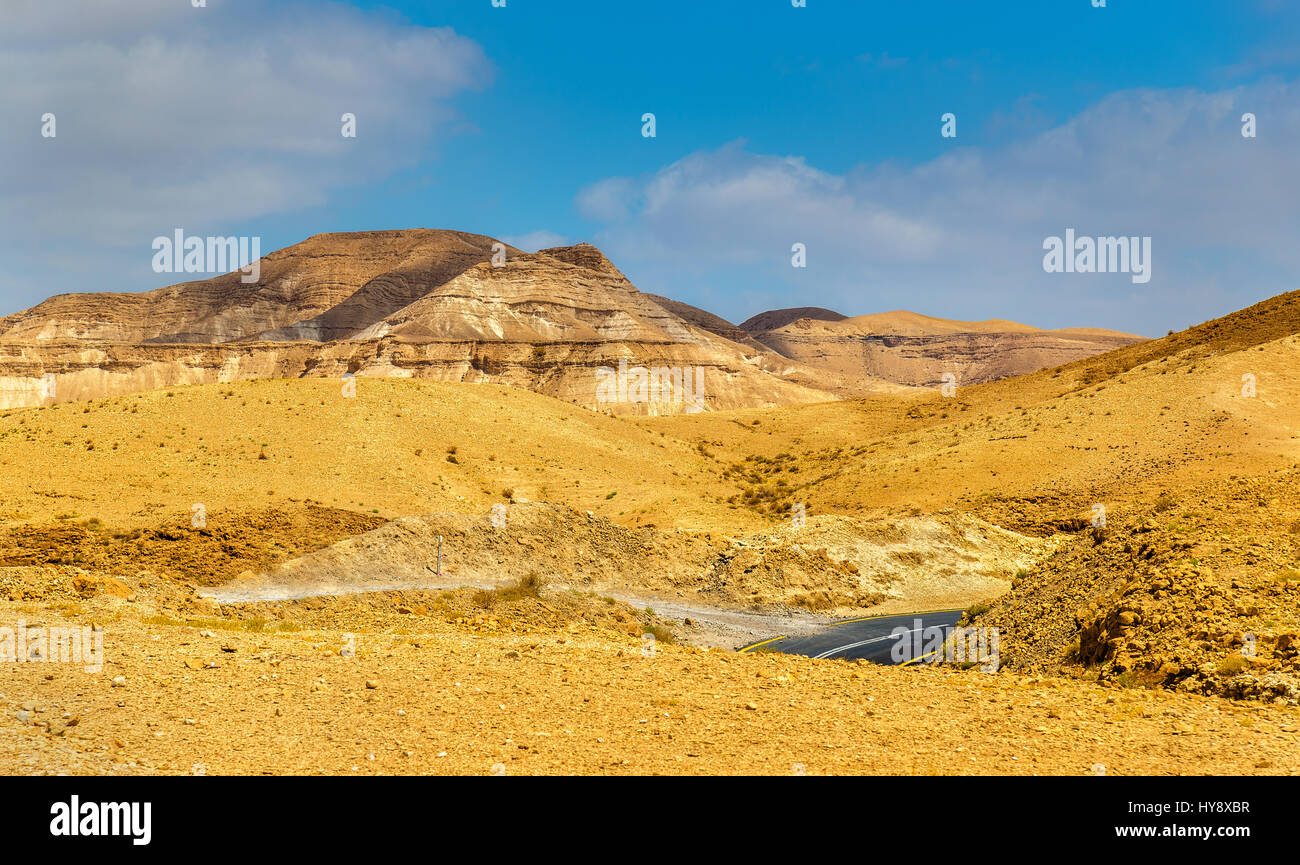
(529, 586)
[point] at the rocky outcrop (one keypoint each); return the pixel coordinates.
(833, 564)
(569, 370)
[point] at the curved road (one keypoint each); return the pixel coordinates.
(872, 638)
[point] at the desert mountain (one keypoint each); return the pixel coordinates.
(353, 286)
(435, 304)
(420, 303)
(708, 321)
(915, 350)
(362, 275)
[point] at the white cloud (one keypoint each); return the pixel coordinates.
(962, 235)
(607, 200)
(40, 22)
(170, 116)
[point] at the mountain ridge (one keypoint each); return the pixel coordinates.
(460, 306)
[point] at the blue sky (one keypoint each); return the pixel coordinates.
(775, 125)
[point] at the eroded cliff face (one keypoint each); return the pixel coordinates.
(422, 304)
(573, 371)
(455, 306)
(357, 270)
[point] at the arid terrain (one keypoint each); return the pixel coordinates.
(918, 350)
(453, 306)
(259, 537)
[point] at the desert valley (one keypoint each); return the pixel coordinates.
(370, 515)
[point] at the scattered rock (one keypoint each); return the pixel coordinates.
(90, 586)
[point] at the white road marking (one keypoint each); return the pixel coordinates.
(891, 636)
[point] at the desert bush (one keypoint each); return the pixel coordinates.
(1232, 665)
(529, 586)
(661, 634)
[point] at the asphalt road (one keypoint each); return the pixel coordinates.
(873, 638)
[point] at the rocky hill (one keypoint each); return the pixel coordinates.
(440, 304)
(364, 274)
(421, 303)
(1183, 449)
(917, 350)
(774, 319)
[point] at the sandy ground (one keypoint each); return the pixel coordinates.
(286, 469)
(477, 700)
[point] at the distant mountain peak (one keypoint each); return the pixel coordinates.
(775, 318)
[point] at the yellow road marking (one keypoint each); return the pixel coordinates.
(892, 616)
(756, 645)
(922, 658)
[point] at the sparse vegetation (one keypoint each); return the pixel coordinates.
(528, 586)
(972, 612)
(1232, 665)
(1163, 503)
(660, 633)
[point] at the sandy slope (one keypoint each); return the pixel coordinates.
(420, 696)
(1196, 476)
